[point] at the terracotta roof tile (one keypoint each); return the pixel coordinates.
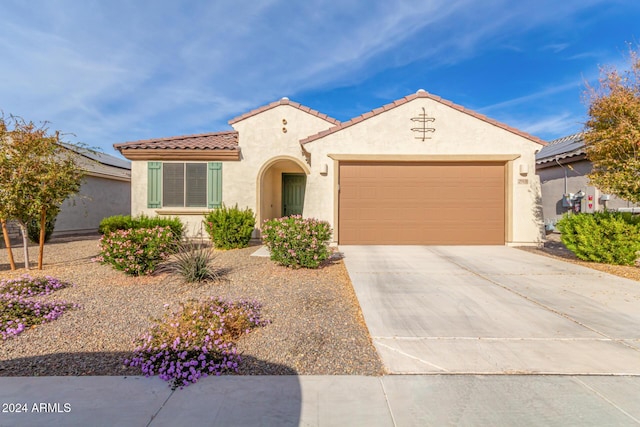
(227, 140)
(284, 101)
(420, 94)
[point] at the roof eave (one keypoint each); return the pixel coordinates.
(184, 154)
(283, 101)
(409, 98)
(563, 160)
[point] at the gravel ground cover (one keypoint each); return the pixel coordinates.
(316, 325)
(554, 248)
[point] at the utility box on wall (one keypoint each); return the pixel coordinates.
(589, 203)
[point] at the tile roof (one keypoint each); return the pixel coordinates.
(562, 148)
(419, 94)
(227, 140)
(284, 101)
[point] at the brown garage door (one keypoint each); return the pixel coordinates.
(411, 203)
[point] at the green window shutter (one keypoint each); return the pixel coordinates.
(154, 184)
(214, 187)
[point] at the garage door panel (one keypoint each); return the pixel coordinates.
(421, 203)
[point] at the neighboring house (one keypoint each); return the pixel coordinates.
(105, 191)
(563, 167)
(420, 170)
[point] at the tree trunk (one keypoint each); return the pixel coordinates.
(7, 243)
(43, 223)
(25, 244)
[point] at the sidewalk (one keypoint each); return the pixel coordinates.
(400, 400)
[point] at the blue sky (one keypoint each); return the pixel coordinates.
(120, 70)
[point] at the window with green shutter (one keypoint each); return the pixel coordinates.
(154, 185)
(176, 184)
(214, 178)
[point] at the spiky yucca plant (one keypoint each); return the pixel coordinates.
(192, 263)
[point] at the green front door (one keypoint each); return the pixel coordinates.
(293, 185)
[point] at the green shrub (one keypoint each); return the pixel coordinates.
(607, 237)
(116, 222)
(297, 242)
(230, 228)
(33, 226)
(174, 223)
(137, 251)
(126, 222)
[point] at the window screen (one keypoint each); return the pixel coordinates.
(173, 184)
(196, 188)
(184, 184)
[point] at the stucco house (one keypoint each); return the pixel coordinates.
(563, 167)
(105, 191)
(419, 170)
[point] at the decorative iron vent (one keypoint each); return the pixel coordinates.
(422, 130)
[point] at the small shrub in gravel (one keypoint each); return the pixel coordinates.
(297, 242)
(196, 341)
(230, 228)
(27, 286)
(192, 263)
(19, 312)
(136, 251)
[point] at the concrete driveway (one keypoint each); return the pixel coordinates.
(494, 309)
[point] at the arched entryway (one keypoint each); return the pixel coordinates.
(281, 188)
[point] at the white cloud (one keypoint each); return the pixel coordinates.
(121, 70)
(526, 99)
(552, 126)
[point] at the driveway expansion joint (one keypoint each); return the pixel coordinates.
(534, 301)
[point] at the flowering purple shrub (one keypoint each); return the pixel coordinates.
(136, 251)
(297, 242)
(19, 312)
(27, 286)
(196, 341)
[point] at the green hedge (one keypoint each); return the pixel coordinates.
(126, 222)
(230, 228)
(606, 237)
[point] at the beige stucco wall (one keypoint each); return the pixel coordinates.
(456, 134)
(98, 198)
(267, 151)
